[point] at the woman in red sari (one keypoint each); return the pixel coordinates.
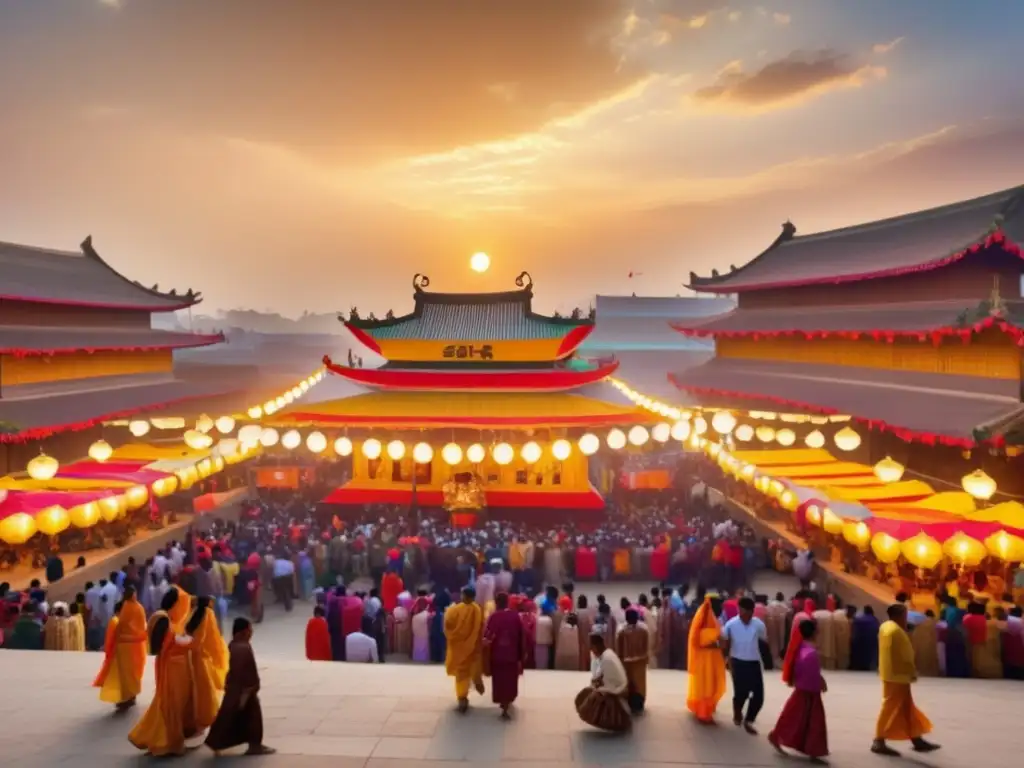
(505, 644)
(802, 726)
(528, 619)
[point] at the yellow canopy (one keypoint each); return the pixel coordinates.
(952, 502)
(147, 452)
(881, 492)
(9, 483)
(831, 471)
(790, 456)
(853, 481)
(1009, 513)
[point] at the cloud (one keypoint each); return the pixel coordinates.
(735, 15)
(782, 19)
(786, 82)
(882, 48)
(507, 92)
(697, 22)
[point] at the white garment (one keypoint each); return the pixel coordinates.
(360, 648)
(545, 631)
(177, 560)
(610, 672)
(160, 566)
(421, 625)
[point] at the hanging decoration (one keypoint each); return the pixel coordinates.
(422, 453)
(638, 435)
(979, 485)
(964, 550)
(372, 448)
(396, 450)
(250, 433)
(316, 442)
(269, 437)
(723, 422)
(530, 452)
(562, 449)
(225, 425)
(744, 433)
(343, 446)
(785, 437)
(503, 454)
(476, 453)
(846, 439)
(451, 454)
(888, 470)
(589, 444)
(291, 440)
(815, 439)
(700, 425)
(100, 451)
(616, 439)
(52, 520)
(43, 467)
(255, 412)
(681, 430)
(661, 432)
(765, 433)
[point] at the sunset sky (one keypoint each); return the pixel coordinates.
(314, 154)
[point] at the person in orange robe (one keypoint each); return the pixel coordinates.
(706, 664)
(124, 663)
(209, 662)
(171, 716)
(391, 586)
(318, 638)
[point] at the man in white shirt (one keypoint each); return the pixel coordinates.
(741, 639)
(603, 705)
(160, 565)
(360, 647)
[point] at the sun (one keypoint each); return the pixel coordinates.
(480, 262)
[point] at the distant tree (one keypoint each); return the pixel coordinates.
(390, 315)
(576, 314)
(353, 314)
(592, 315)
(371, 317)
(556, 314)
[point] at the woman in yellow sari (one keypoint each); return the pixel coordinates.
(120, 679)
(706, 664)
(209, 662)
(170, 718)
(463, 630)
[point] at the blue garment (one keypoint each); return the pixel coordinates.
(864, 643)
(438, 642)
(307, 575)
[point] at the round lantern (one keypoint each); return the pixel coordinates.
(372, 448)
(744, 433)
(343, 446)
(638, 435)
(785, 437)
(815, 439)
(789, 501)
(304, 385)
(964, 550)
(139, 427)
(530, 452)
(616, 440)
(748, 471)
(765, 434)
(1006, 546)
(812, 513)
(662, 432)
(922, 551)
(204, 423)
(857, 533)
(297, 392)
(888, 470)
(43, 467)
(269, 437)
(52, 520)
(250, 433)
(165, 486)
(847, 439)
(111, 510)
(476, 453)
(422, 453)
(270, 407)
(288, 397)
(256, 412)
(700, 425)
(885, 547)
(451, 454)
(168, 422)
(291, 440)
(100, 451)
(396, 450)
(225, 425)
(138, 495)
(723, 422)
(503, 453)
(681, 430)
(86, 515)
(978, 484)
(187, 477)
(316, 442)
(17, 528)
(589, 444)
(831, 522)
(227, 446)
(195, 439)
(562, 449)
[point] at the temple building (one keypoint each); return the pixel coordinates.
(477, 390)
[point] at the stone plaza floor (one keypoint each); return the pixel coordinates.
(344, 715)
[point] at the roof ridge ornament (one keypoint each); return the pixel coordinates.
(996, 306)
(788, 230)
(524, 280)
(419, 282)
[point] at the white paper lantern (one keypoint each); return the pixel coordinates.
(638, 436)
(269, 437)
(256, 412)
(227, 446)
(662, 432)
(765, 433)
(343, 446)
(291, 440)
(979, 485)
(197, 440)
(503, 453)
(422, 453)
(847, 439)
(452, 454)
(396, 450)
(372, 448)
(561, 449)
(530, 452)
(225, 425)
(815, 439)
(476, 453)
(100, 451)
(43, 467)
(785, 437)
(616, 440)
(681, 430)
(316, 442)
(589, 444)
(250, 433)
(723, 422)
(139, 427)
(204, 423)
(888, 470)
(744, 433)
(700, 425)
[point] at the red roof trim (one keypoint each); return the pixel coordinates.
(507, 499)
(542, 380)
(96, 304)
(573, 339)
(609, 419)
(362, 337)
(936, 335)
(201, 340)
(998, 237)
(907, 435)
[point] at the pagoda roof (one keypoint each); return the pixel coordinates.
(25, 341)
(665, 307)
(83, 278)
(914, 242)
(504, 316)
(952, 409)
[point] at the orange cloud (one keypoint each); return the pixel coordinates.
(882, 48)
(793, 80)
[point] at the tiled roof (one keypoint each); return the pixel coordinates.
(941, 404)
(503, 320)
(920, 240)
(20, 339)
(667, 307)
(81, 278)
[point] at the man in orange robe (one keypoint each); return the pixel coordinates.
(120, 678)
(391, 587)
(318, 638)
(706, 664)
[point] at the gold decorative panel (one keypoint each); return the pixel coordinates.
(39, 369)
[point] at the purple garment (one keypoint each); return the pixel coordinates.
(504, 633)
(807, 669)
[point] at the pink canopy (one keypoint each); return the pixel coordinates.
(32, 502)
(902, 530)
(124, 471)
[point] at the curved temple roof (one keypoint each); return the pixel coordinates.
(914, 242)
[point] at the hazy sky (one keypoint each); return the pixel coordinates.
(314, 154)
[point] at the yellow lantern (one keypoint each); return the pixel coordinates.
(814, 439)
(250, 433)
(589, 444)
(204, 468)
(288, 397)
(662, 432)
(195, 439)
(813, 514)
(269, 437)
(680, 430)
(476, 453)
(52, 520)
(137, 495)
(168, 422)
(304, 386)
(885, 547)
(503, 453)
(531, 452)
(700, 425)
(112, 509)
(744, 433)
(831, 522)
(616, 440)
(889, 470)
(857, 533)
(714, 450)
(979, 485)
(43, 467)
(1006, 546)
(291, 440)
(100, 451)
(422, 453)
(789, 501)
(296, 392)
(765, 433)
(451, 454)
(785, 437)
(396, 450)
(776, 487)
(139, 427)
(638, 436)
(270, 407)
(256, 412)
(86, 515)
(165, 486)
(17, 528)
(846, 439)
(723, 422)
(922, 551)
(225, 425)
(964, 550)
(372, 448)
(343, 446)
(204, 423)
(562, 449)
(316, 442)
(227, 446)
(748, 472)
